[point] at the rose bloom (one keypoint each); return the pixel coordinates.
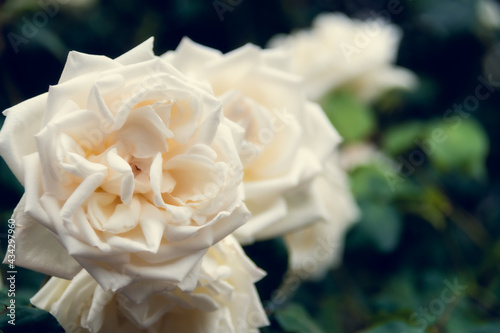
(488, 14)
(339, 52)
(287, 145)
(361, 153)
(130, 170)
(224, 300)
(319, 247)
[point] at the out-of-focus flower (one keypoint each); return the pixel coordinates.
(361, 153)
(488, 13)
(288, 143)
(130, 170)
(343, 52)
(224, 300)
(318, 248)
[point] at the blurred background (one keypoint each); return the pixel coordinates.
(425, 256)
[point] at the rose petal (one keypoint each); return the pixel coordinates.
(190, 57)
(140, 53)
(17, 137)
(38, 249)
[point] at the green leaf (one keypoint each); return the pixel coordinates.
(370, 182)
(351, 117)
(461, 147)
(399, 139)
(295, 319)
(27, 318)
(13, 8)
(399, 294)
(487, 328)
(393, 327)
(329, 313)
(431, 205)
(381, 224)
(462, 323)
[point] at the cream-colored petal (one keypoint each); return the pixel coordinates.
(140, 53)
(36, 248)
(17, 137)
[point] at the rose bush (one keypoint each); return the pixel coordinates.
(130, 170)
(287, 145)
(224, 300)
(338, 51)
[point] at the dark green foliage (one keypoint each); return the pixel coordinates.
(425, 256)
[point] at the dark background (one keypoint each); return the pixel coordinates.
(441, 228)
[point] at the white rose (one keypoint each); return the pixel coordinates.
(225, 300)
(288, 153)
(488, 14)
(286, 139)
(318, 248)
(339, 51)
(129, 167)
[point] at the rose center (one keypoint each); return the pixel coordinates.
(135, 169)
